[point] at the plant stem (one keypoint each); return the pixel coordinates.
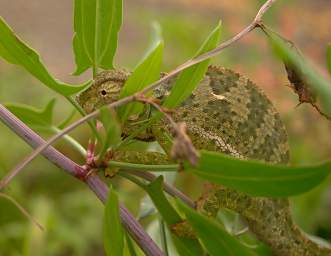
(132, 179)
(22, 210)
(81, 111)
(167, 188)
(93, 181)
(132, 226)
(144, 167)
(71, 141)
(94, 71)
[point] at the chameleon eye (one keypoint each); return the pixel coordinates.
(103, 92)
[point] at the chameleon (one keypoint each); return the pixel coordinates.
(227, 113)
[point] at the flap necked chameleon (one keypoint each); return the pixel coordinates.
(230, 114)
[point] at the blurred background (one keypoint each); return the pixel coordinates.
(71, 214)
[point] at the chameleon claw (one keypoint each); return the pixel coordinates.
(242, 231)
(183, 229)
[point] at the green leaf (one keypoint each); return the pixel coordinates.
(320, 86)
(185, 246)
(130, 246)
(67, 120)
(328, 58)
(113, 230)
(41, 120)
(188, 79)
(15, 51)
(258, 178)
(144, 74)
(215, 239)
(112, 128)
(96, 26)
(32, 116)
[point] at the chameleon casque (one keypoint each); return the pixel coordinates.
(230, 114)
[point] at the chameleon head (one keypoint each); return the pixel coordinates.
(104, 90)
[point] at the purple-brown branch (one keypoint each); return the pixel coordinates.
(93, 181)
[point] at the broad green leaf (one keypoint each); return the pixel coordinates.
(185, 246)
(144, 74)
(15, 51)
(33, 116)
(112, 128)
(215, 239)
(188, 79)
(258, 178)
(328, 58)
(96, 26)
(113, 230)
(320, 85)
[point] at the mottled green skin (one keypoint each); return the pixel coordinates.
(105, 89)
(229, 114)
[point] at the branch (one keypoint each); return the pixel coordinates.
(43, 146)
(93, 181)
(182, 147)
(168, 188)
(255, 23)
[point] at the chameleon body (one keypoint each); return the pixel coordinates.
(229, 114)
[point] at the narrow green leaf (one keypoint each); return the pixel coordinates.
(41, 120)
(112, 128)
(320, 85)
(33, 116)
(155, 191)
(188, 80)
(215, 239)
(15, 51)
(96, 26)
(328, 58)
(131, 250)
(185, 246)
(258, 178)
(144, 74)
(113, 230)
(67, 120)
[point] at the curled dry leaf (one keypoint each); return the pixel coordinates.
(300, 86)
(182, 148)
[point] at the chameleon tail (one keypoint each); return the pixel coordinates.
(269, 219)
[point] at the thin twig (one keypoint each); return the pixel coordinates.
(167, 188)
(54, 138)
(255, 23)
(182, 147)
(135, 229)
(22, 210)
(144, 99)
(93, 181)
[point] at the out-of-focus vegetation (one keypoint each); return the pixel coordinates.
(69, 212)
